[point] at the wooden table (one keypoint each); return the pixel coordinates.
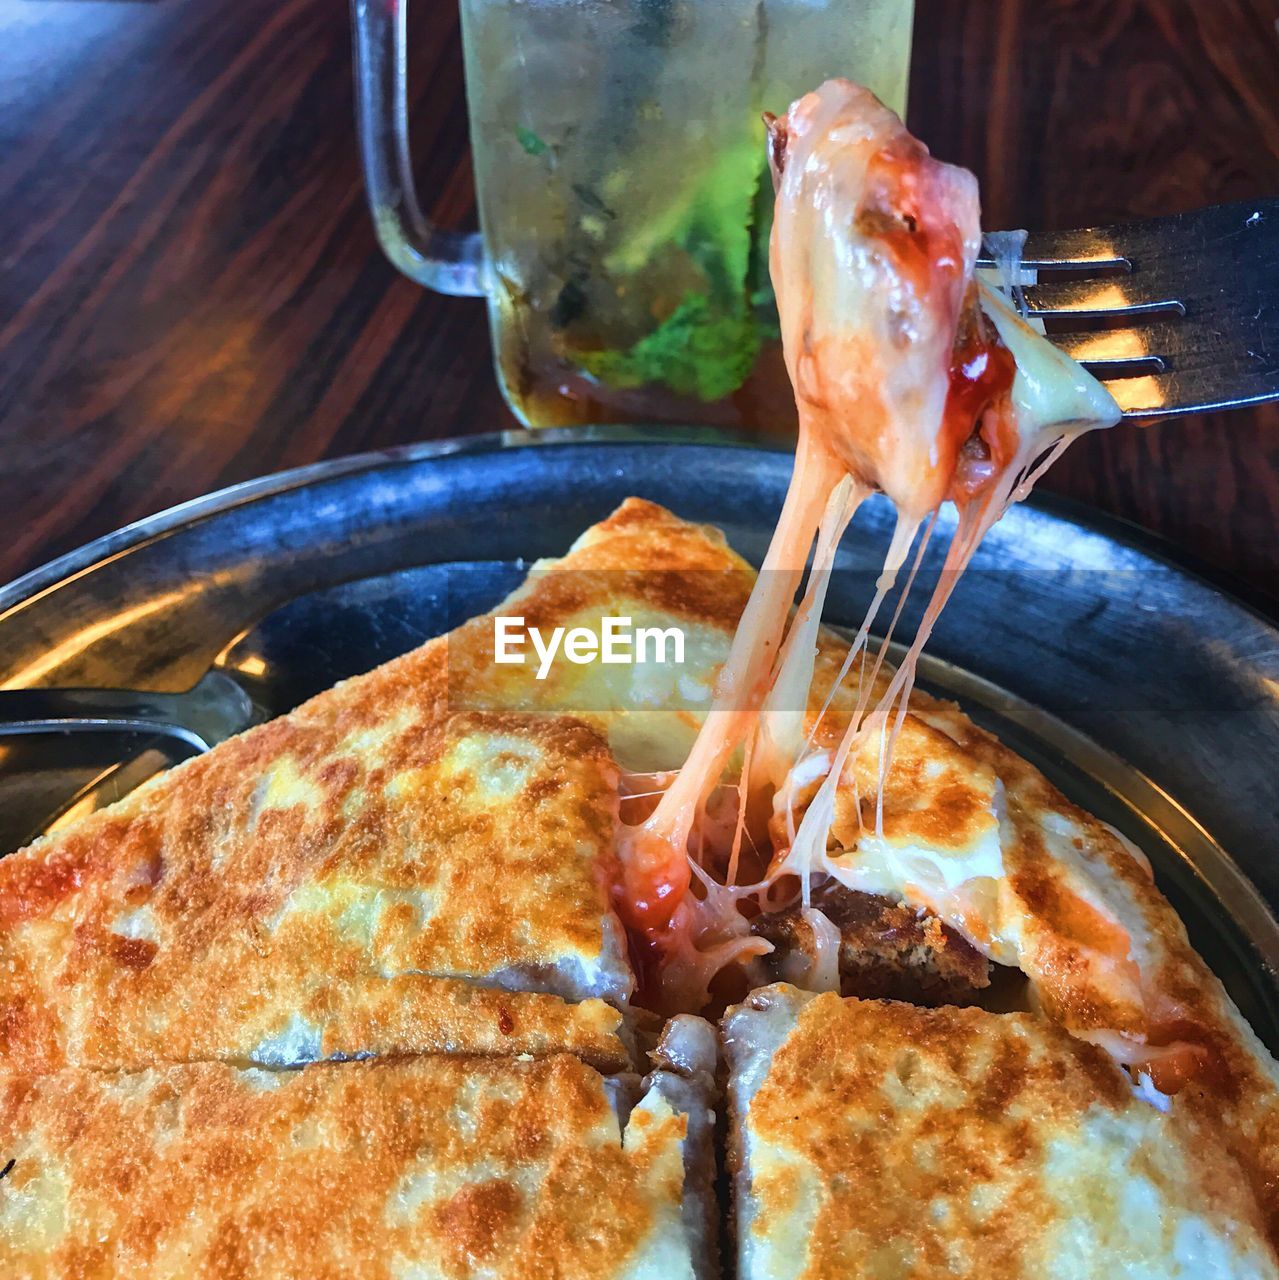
(190, 293)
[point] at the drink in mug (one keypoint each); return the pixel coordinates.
(625, 199)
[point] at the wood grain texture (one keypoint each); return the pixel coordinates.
(190, 291)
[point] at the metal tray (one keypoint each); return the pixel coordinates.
(1148, 694)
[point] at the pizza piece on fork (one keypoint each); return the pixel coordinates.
(909, 382)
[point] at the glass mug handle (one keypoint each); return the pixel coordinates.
(447, 261)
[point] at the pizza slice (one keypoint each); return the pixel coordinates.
(878, 1138)
(421, 859)
(356, 878)
(912, 380)
(441, 1167)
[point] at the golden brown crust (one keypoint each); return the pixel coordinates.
(333, 1171)
(311, 886)
(436, 816)
(410, 1013)
(262, 890)
(641, 563)
(935, 794)
(1072, 907)
(964, 1143)
(1050, 845)
(415, 1013)
(640, 558)
(682, 569)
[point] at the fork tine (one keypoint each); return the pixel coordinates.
(1109, 351)
(1152, 395)
(1132, 294)
(1081, 249)
(1176, 391)
(1196, 297)
(1084, 247)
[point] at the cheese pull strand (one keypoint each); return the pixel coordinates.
(654, 855)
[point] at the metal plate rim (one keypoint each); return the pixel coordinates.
(61, 569)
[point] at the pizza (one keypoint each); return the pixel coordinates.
(465, 967)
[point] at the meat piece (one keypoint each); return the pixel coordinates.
(887, 950)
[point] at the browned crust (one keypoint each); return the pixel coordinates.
(1063, 943)
(213, 857)
(907, 1120)
(1236, 1085)
(373, 861)
(92, 1004)
(199, 1171)
(419, 1014)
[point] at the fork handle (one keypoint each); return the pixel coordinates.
(213, 709)
(25, 711)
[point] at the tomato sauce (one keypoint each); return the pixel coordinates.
(979, 427)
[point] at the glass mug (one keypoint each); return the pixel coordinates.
(623, 191)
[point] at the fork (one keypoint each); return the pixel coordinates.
(1177, 314)
(212, 710)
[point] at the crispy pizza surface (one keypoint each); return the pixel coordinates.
(874, 1138)
(368, 874)
(418, 859)
(996, 866)
(424, 1167)
(972, 832)
(642, 563)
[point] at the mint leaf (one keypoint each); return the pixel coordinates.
(713, 206)
(531, 143)
(699, 350)
(719, 217)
